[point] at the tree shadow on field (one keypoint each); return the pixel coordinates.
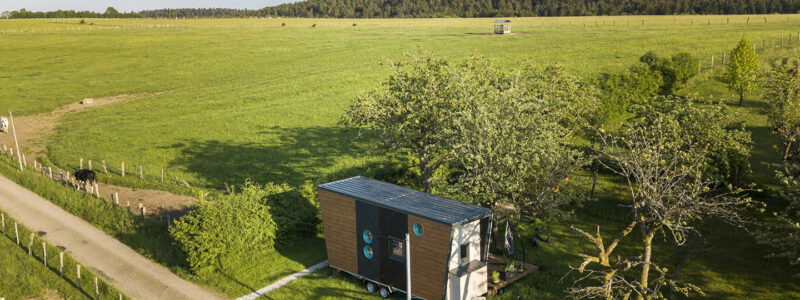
(293, 156)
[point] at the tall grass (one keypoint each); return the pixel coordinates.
(26, 276)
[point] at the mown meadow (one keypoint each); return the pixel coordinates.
(260, 99)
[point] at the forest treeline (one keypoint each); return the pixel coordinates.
(27, 14)
(449, 8)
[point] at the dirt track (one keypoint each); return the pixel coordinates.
(33, 131)
(133, 274)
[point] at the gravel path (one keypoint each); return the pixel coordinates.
(130, 272)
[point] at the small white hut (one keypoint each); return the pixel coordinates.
(502, 26)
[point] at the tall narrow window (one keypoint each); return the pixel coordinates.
(398, 249)
(464, 257)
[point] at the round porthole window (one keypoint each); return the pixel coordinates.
(418, 230)
(367, 236)
(368, 251)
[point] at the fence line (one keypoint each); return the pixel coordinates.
(93, 188)
(60, 269)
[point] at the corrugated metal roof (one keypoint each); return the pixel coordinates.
(420, 204)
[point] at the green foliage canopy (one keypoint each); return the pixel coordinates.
(712, 127)
(742, 69)
(226, 226)
(782, 91)
(511, 146)
(411, 111)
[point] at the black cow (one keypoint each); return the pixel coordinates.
(87, 176)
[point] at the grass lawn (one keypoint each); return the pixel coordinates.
(26, 277)
(230, 99)
(233, 99)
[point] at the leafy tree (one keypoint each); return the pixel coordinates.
(664, 167)
(742, 68)
(230, 225)
(782, 232)
(722, 131)
(782, 91)
(675, 71)
(111, 12)
(685, 66)
(511, 146)
(411, 111)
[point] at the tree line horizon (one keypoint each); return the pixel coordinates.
(445, 8)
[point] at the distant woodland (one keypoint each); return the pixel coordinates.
(449, 8)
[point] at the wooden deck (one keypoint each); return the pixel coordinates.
(497, 263)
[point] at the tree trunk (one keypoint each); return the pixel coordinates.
(424, 174)
(741, 98)
(595, 167)
(786, 154)
(648, 248)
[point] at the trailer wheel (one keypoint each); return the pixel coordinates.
(371, 287)
(385, 292)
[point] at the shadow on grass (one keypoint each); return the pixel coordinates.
(763, 154)
(293, 156)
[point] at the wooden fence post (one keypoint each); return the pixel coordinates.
(90, 164)
(24, 160)
(30, 245)
(78, 276)
(96, 189)
(116, 198)
(44, 253)
(61, 264)
(712, 62)
(141, 174)
(162, 175)
(96, 290)
(16, 232)
(123, 169)
(3, 217)
(50, 170)
(105, 170)
(81, 163)
(129, 205)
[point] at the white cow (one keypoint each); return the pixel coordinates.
(3, 124)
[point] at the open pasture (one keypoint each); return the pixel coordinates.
(227, 99)
(222, 100)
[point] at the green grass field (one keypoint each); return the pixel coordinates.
(225, 100)
(26, 277)
(231, 99)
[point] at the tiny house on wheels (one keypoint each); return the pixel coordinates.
(375, 230)
(502, 26)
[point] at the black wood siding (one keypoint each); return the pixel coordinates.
(367, 219)
(393, 225)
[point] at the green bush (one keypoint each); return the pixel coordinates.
(617, 91)
(675, 70)
(295, 211)
(229, 225)
(685, 67)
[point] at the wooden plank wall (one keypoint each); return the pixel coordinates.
(339, 225)
(429, 254)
